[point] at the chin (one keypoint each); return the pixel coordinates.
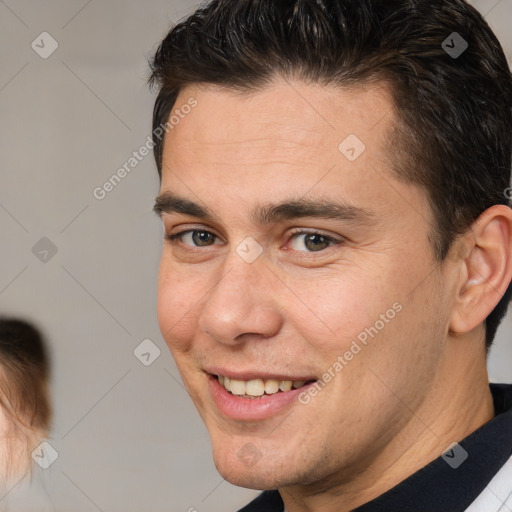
(249, 481)
(254, 478)
(251, 469)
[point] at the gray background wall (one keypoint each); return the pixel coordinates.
(127, 436)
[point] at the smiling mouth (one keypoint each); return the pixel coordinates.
(257, 388)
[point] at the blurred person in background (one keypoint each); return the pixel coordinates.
(25, 409)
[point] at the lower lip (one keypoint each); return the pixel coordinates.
(247, 409)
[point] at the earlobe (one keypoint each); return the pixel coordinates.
(488, 269)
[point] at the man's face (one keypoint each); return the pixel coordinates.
(265, 299)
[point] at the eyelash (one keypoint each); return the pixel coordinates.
(174, 238)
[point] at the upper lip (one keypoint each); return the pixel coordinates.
(256, 374)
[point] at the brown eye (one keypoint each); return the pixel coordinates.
(314, 242)
(199, 238)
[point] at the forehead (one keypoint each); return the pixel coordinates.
(288, 113)
(290, 139)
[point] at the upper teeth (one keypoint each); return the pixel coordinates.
(258, 387)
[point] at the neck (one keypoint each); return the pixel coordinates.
(458, 402)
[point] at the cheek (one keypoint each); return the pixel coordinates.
(403, 349)
(336, 309)
(176, 299)
(366, 314)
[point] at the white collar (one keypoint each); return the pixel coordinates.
(497, 496)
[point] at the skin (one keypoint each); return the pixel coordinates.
(299, 306)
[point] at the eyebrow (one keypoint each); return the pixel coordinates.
(268, 213)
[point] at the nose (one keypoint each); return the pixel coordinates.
(242, 305)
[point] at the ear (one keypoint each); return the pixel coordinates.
(487, 268)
